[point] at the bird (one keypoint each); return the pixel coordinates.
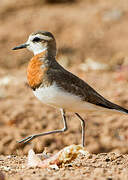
(53, 85)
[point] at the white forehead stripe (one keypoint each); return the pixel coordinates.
(41, 36)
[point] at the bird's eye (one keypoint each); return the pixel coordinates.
(36, 39)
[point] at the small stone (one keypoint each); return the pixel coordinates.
(5, 168)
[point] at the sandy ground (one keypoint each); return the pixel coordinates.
(102, 166)
(87, 32)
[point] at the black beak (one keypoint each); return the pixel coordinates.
(20, 46)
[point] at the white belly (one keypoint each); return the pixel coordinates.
(57, 97)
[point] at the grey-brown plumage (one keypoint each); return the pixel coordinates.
(74, 85)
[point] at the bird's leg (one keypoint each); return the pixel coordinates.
(29, 138)
(83, 128)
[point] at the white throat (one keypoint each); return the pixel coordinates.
(38, 50)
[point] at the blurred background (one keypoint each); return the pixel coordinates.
(92, 41)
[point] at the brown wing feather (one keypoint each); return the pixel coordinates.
(73, 84)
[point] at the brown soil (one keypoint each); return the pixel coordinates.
(95, 29)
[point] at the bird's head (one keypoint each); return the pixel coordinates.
(39, 42)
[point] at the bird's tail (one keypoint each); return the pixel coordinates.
(113, 106)
(120, 109)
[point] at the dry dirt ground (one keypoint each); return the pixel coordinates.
(90, 35)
